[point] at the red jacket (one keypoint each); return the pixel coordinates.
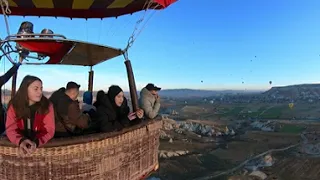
(43, 125)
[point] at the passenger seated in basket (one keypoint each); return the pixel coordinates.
(99, 97)
(30, 116)
(87, 102)
(113, 111)
(91, 110)
(4, 79)
(69, 118)
(150, 100)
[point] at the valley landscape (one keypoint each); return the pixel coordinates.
(239, 135)
(235, 135)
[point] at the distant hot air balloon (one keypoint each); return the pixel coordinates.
(291, 105)
(270, 82)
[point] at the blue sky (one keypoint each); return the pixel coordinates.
(222, 43)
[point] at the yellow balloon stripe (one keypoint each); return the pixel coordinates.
(43, 3)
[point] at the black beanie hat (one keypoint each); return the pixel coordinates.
(113, 92)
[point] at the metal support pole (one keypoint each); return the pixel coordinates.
(13, 85)
(14, 80)
(132, 85)
(90, 80)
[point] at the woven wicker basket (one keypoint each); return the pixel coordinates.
(126, 155)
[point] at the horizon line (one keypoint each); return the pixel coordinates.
(203, 89)
(169, 89)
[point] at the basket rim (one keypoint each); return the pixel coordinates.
(57, 142)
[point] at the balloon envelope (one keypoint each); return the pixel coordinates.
(83, 8)
(291, 105)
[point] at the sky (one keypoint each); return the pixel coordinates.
(221, 44)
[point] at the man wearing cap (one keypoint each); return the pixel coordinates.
(69, 118)
(150, 100)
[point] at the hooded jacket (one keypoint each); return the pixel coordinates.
(111, 118)
(149, 103)
(87, 102)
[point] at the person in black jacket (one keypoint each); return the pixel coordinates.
(99, 98)
(4, 79)
(113, 111)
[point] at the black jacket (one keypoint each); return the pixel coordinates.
(111, 118)
(4, 79)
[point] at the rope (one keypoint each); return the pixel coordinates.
(5, 11)
(4, 86)
(109, 30)
(5, 7)
(87, 29)
(135, 34)
(6, 52)
(99, 35)
(144, 25)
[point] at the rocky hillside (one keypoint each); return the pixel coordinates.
(303, 92)
(199, 128)
(186, 137)
(203, 150)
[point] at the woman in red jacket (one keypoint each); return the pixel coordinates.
(30, 116)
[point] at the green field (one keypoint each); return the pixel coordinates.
(251, 110)
(258, 112)
(291, 128)
(273, 113)
(234, 111)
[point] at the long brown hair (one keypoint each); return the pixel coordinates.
(20, 102)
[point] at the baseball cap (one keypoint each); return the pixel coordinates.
(151, 87)
(72, 85)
